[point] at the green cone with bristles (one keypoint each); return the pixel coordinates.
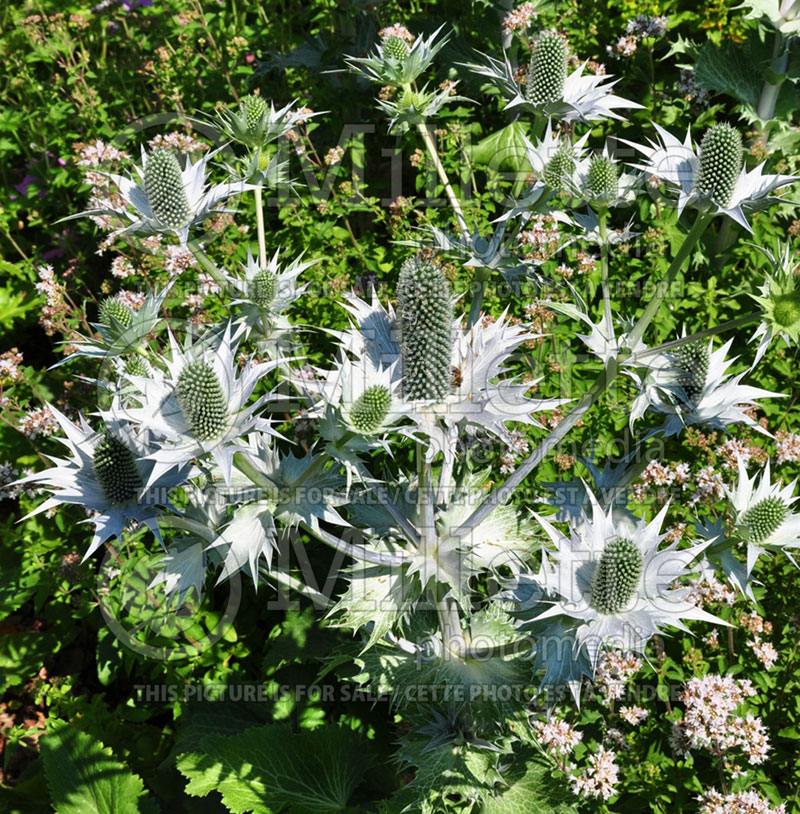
(616, 576)
(425, 315)
(202, 401)
(764, 518)
(547, 72)
(164, 187)
(692, 367)
(135, 366)
(111, 310)
(720, 163)
(263, 288)
(560, 168)
(395, 48)
(252, 109)
(370, 409)
(115, 469)
(603, 178)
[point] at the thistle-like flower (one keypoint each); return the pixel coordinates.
(110, 474)
(616, 581)
(425, 317)
(713, 178)
(265, 294)
(689, 386)
(763, 518)
(122, 330)
(393, 62)
(198, 406)
(550, 90)
(256, 123)
(779, 302)
(162, 198)
(471, 395)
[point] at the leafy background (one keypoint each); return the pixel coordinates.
(76, 734)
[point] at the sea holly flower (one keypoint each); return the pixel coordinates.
(162, 198)
(550, 90)
(122, 330)
(110, 474)
(779, 302)
(198, 405)
(464, 390)
(689, 386)
(712, 178)
(763, 517)
(263, 295)
(394, 62)
(256, 123)
(412, 106)
(617, 583)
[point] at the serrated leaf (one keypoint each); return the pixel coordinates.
(530, 790)
(266, 768)
(84, 777)
(729, 69)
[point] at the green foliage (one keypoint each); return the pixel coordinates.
(266, 768)
(84, 777)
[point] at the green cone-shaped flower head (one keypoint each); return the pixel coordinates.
(560, 168)
(395, 48)
(720, 163)
(370, 409)
(135, 366)
(425, 314)
(164, 188)
(111, 310)
(252, 109)
(692, 368)
(264, 287)
(764, 518)
(115, 469)
(548, 69)
(202, 400)
(603, 178)
(616, 576)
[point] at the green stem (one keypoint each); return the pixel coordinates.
(262, 241)
(446, 608)
(601, 225)
(208, 264)
(717, 329)
(357, 552)
(479, 288)
(259, 479)
(770, 91)
(696, 232)
(451, 195)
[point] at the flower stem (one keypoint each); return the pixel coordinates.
(717, 329)
(675, 266)
(259, 479)
(601, 225)
(451, 195)
(769, 90)
(479, 288)
(355, 551)
(262, 242)
(208, 264)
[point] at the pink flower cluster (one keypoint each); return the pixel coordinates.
(743, 802)
(9, 366)
(711, 720)
(600, 777)
(397, 30)
(788, 447)
(557, 736)
(38, 422)
(614, 670)
(519, 18)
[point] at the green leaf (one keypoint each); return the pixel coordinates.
(505, 148)
(729, 69)
(266, 768)
(84, 778)
(13, 306)
(531, 790)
